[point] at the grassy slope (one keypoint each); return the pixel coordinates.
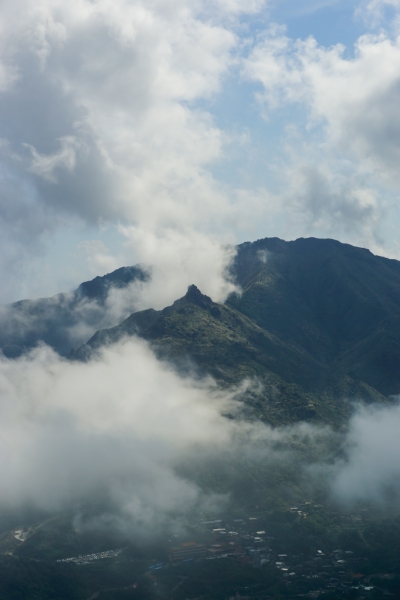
(223, 342)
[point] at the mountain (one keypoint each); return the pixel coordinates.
(64, 320)
(216, 337)
(339, 303)
(317, 323)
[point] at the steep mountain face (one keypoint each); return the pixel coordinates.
(64, 320)
(338, 303)
(317, 323)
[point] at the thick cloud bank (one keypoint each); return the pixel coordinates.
(118, 429)
(101, 124)
(114, 428)
(127, 432)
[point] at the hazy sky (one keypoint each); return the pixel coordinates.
(157, 130)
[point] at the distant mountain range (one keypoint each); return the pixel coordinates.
(64, 320)
(317, 324)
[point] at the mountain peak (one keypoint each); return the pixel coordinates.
(193, 294)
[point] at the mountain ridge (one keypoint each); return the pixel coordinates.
(318, 315)
(317, 320)
(25, 323)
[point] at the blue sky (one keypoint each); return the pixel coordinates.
(329, 22)
(160, 132)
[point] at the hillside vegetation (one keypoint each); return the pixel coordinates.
(317, 323)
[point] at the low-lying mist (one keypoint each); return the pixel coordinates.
(370, 470)
(127, 433)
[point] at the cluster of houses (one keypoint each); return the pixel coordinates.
(336, 571)
(246, 541)
(234, 540)
(87, 558)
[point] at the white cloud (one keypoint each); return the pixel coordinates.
(117, 426)
(237, 7)
(373, 12)
(351, 127)
(177, 260)
(101, 109)
(46, 165)
(119, 429)
(371, 470)
(355, 99)
(334, 203)
(121, 71)
(98, 257)
(107, 119)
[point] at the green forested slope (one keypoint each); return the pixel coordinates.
(317, 322)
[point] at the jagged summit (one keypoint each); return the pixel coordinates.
(193, 294)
